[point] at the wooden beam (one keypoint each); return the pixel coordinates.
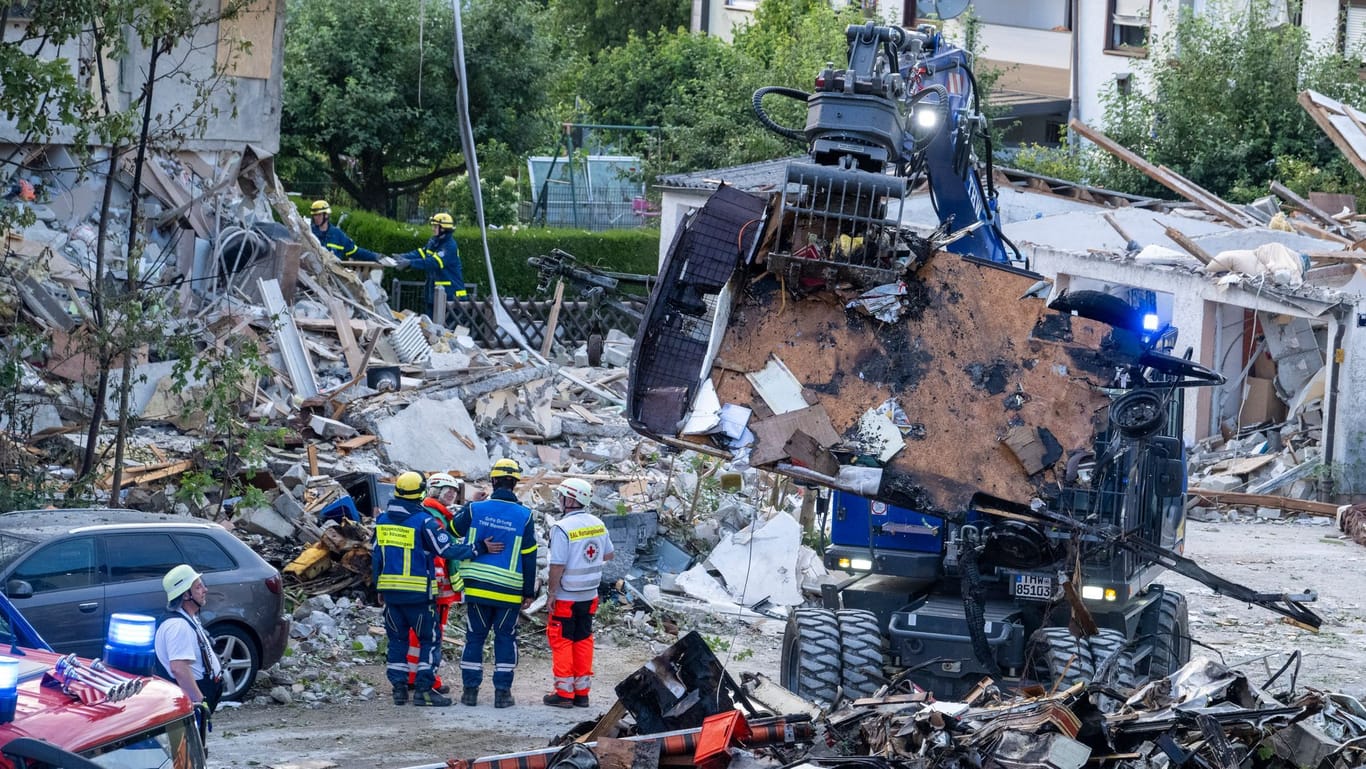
(1318, 105)
(1289, 196)
(1289, 504)
(1185, 242)
(554, 321)
(1164, 176)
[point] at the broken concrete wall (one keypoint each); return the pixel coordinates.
(244, 110)
(1210, 319)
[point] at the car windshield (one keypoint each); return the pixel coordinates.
(13, 545)
(175, 746)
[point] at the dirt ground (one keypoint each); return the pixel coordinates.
(1269, 556)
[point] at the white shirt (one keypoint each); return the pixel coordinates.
(177, 640)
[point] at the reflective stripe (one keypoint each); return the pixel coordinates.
(470, 570)
(475, 592)
(461, 293)
(401, 582)
(441, 282)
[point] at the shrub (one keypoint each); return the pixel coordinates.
(635, 251)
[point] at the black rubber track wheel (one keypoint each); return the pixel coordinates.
(811, 655)
(861, 653)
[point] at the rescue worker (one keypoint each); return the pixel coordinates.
(497, 585)
(407, 541)
(443, 493)
(440, 259)
(183, 647)
(579, 547)
(337, 242)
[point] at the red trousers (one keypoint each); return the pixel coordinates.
(443, 613)
(570, 632)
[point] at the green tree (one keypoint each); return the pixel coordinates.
(1219, 105)
(370, 89)
(592, 26)
(698, 89)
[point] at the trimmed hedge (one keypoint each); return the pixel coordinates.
(634, 251)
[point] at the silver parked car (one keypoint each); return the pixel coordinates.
(68, 570)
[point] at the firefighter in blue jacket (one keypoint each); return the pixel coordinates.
(440, 259)
(498, 585)
(406, 541)
(334, 240)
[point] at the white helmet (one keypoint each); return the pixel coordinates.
(577, 489)
(443, 481)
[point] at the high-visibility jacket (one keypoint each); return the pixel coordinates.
(407, 541)
(340, 245)
(579, 542)
(440, 259)
(448, 581)
(505, 577)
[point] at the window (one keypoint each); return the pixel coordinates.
(742, 5)
(140, 556)
(1354, 30)
(204, 554)
(60, 566)
(1038, 14)
(1128, 27)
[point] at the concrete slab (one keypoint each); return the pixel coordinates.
(263, 520)
(761, 561)
(424, 437)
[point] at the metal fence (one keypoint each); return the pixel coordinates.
(576, 323)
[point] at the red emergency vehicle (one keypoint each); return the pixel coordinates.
(79, 714)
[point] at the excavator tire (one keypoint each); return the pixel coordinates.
(811, 656)
(1060, 659)
(1119, 674)
(861, 653)
(1172, 641)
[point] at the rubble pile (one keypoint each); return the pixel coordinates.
(294, 455)
(684, 709)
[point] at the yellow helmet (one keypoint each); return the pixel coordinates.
(506, 468)
(410, 485)
(443, 220)
(319, 207)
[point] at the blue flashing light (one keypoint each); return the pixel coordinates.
(1151, 322)
(9, 688)
(130, 645)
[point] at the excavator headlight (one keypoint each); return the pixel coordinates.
(1151, 322)
(926, 117)
(1093, 592)
(861, 564)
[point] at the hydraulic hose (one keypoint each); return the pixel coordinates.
(973, 605)
(770, 123)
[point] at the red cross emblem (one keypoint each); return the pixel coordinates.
(591, 551)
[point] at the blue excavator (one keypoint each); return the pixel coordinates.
(1000, 455)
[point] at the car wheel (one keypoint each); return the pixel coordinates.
(240, 660)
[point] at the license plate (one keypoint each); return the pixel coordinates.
(1033, 588)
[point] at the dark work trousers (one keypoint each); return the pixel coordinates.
(501, 619)
(399, 620)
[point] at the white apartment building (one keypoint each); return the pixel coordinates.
(1058, 58)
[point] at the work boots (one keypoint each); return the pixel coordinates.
(502, 698)
(580, 700)
(400, 694)
(431, 698)
(470, 696)
(556, 701)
